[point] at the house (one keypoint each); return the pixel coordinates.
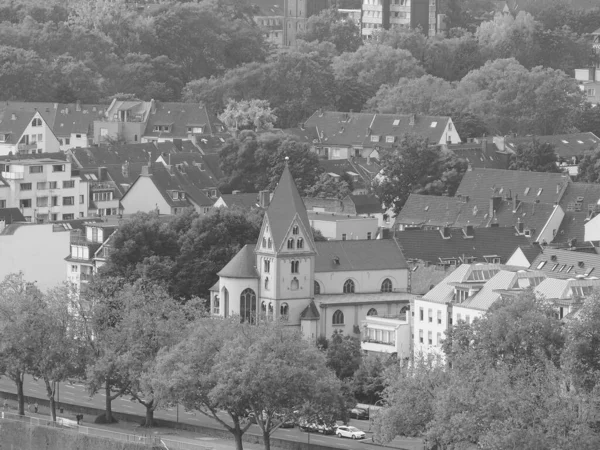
(464, 295)
(581, 205)
(343, 227)
(364, 205)
(88, 251)
(567, 295)
(123, 120)
(433, 254)
(167, 190)
(269, 16)
(44, 189)
(26, 132)
(343, 135)
(589, 78)
(481, 155)
(248, 201)
(319, 287)
(193, 166)
(171, 121)
(387, 335)
(565, 264)
(358, 172)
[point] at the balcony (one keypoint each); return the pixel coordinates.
(13, 175)
(379, 347)
(25, 148)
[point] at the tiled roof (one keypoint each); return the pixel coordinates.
(15, 122)
(433, 210)
(565, 145)
(103, 156)
(180, 116)
(576, 202)
(529, 186)
(443, 292)
(367, 297)
(214, 163)
(343, 256)
(343, 129)
(429, 246)
(285, 205)
(333, 217)
(267, 7)
(366, 204)
(560, 263)
(561, 289)
(194, 167)
(310, 312)
(242, 265)
(481, 156)
(211, 144)
(50, 155)
(10, 215)
(241, 200)
(307, 135)
(189, 181)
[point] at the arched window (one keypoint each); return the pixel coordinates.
(263, 308)
(291, 243)
(267, 265)
(372, 312)
(225, 302)
(264, 243)
(270, 316)
(216, 304)
(300, 243)
(295, 266)
(349, 287)
(295, 284)
(284, 310)
(295, 230)
(269, 243)
(386, 285)
(338, 318)
(248, 306)
(266, 283)
(317, 288)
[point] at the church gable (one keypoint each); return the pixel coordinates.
(265, 242)
(297, 239)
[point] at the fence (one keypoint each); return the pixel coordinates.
(168, 444)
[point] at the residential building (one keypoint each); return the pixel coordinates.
(581, 205)
(249, 201)
(296, 14)
(269, 16)
(167, 190)
(481, 155)
(567, 295)
(319, 287)
(26, 132)
(42, 258)
(343, 135)
(44, 190)
(357, 172)
(433, 254)
(387, 335)
(123, 120)
(9, 216)
(565, 264)
(352, 15)
(386, 14)
(589, 77)
(88, 251)
(344, 227)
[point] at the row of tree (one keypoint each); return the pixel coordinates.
(516, 378)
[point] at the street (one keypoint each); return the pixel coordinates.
(77, 394)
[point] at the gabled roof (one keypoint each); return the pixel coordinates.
(430, 127)
(173, 179)
(104, 156)
(15, 122)
(560, 263)
(576, 202)
(332, 205)
(430, 246)
(310, 312)
(11, 215)
(336, 128)
(242, 265)
(267, 7)
(241, 200)
(284, 206)
(192, 165)
(213, 160)
(180, 116)
(561, 289)
(344, 256)
(366, 204)
(479, 155)
(565, 145)
(307, 135)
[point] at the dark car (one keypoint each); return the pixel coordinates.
(285, 423)
(359, 413)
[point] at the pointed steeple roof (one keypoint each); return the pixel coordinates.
(285, 205)
(243, 265)
(311, 312)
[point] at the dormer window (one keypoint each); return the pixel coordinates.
(461, 295)
(4, 137)
(389, 139)
(195, 129)
(374, 138)
(36, 122)
(162, 128)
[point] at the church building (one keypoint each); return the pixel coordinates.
(319, 286)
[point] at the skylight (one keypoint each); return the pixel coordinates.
(581, 142)
(540, 191)
(526, 191)
(564, 142)
(433, 124)
(396, 122)
(541, 264)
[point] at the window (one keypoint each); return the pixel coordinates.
(248, 305)
(284, 310)
(41, 186)
(386, 286)
(421, 336)
(389, 139)
(344, 237)
(458, 318)
(439, 338)
(338, 318)
(421, 314)
(267, 264)
(68, 184)
(317, 288)
(25, 203)
(41, 201)
(430, 315)
(372, 312)
(290, 243)
(81, 199)
(267, 283)
(349, 287)
(374, 138)
(68, 201)
(264, 242)
(295, 230)
(25, 186)
(67, 141)
(300, 243)
(54, 200)
(54, 217)
(295, 266)
(590, 92)
(74, 269)
(216, 305)
(36, 122)
(108, 195)
(294, 284)
(68, 216)
(369, 235)
(269, 243)
(468, 319)
(461, 295)
(52, 184)
(2, 204)
(430, 338)
(36, 169)
(439, 317)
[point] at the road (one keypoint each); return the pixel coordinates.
(76, 394)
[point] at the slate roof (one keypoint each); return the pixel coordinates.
(481, 156)
(561, 289)
(180, 116)
(15, 127)
(242, 265)
(332, 205)
(348, 129)
(561, 263)
(366, 204)
(267, 7)
(241, 200)
(310, 312)
(173, 179)
(213, 161)
(443, 292)
(10, 215)
(573, 224)
(104, 156)
(307, 135)
(352, 255)
(284, 206)
(194, 166)
(425, 245)
(565, 145)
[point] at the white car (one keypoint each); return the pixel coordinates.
(349, 432)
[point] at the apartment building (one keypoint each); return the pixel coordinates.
(386, 14)
(589, 77)
(43, 189)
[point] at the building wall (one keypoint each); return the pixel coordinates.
(592, 229)
(450, 134)
(37, 251)
(551, 228)
(430, 319)
(235, 287)
(143, 196)
(364, 281)
(519, 259)
(49, 141)
(132, 132)
(353, 228)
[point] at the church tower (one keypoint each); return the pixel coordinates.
(285, 254)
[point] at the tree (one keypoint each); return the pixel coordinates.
(368, 380)
(403, 38)
(329, 187)
(329, 26)
(589, 167)
(588, 119)
(344, 355)
(452, 58)
(535, 156)
(255, 115)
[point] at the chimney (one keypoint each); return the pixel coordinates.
(13, 116)
(368, 160)
(147, 170)
(236, 192)
(264, 199)
(411, 121)
(520, 226)
(484, 146)
(67, 110)
(515, 203)
(101, 172)
(56, 106)
(494, 205)
(558, 188)
(78, 105)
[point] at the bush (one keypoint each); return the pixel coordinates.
(101, 419)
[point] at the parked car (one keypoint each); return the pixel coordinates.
(305, 425)
(359, 413)
(350, 432)
(285, 423)
(324, 428)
